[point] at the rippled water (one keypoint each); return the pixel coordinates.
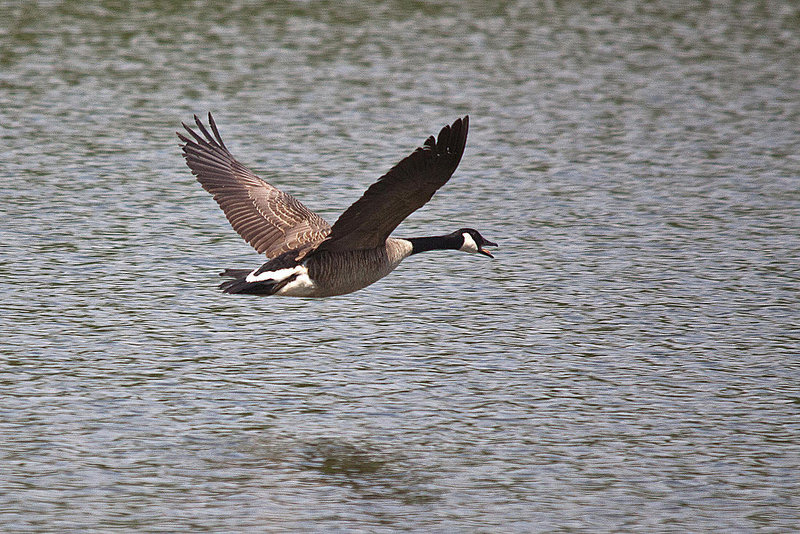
(629, 362)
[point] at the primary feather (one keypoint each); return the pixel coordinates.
(272, 221)
(407, 186)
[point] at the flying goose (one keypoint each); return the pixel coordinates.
(309, 257)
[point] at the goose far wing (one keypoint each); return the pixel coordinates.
(408, 186)
(270, 220)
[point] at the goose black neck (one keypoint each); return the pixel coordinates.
(442, 242)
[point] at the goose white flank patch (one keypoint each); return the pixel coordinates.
(307, 256)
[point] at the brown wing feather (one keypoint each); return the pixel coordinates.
(270, 220)
(401, 191)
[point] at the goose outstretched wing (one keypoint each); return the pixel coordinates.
(270, 220)
(398, 193)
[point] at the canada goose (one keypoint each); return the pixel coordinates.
(309, 257)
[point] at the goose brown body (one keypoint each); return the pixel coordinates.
(339, 273)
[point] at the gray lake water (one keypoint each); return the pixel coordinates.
(630, 361)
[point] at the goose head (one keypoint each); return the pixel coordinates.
(473, 242)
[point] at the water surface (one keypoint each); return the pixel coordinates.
(629, 362)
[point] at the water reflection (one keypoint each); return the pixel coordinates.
(365, 470)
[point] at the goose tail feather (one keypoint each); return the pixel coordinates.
(240, 285)
(235, 273)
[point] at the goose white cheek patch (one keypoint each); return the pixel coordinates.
(469, 244)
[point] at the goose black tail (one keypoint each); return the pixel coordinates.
(240, 285)
(235, 273)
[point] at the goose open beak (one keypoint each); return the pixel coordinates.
(486, 252)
